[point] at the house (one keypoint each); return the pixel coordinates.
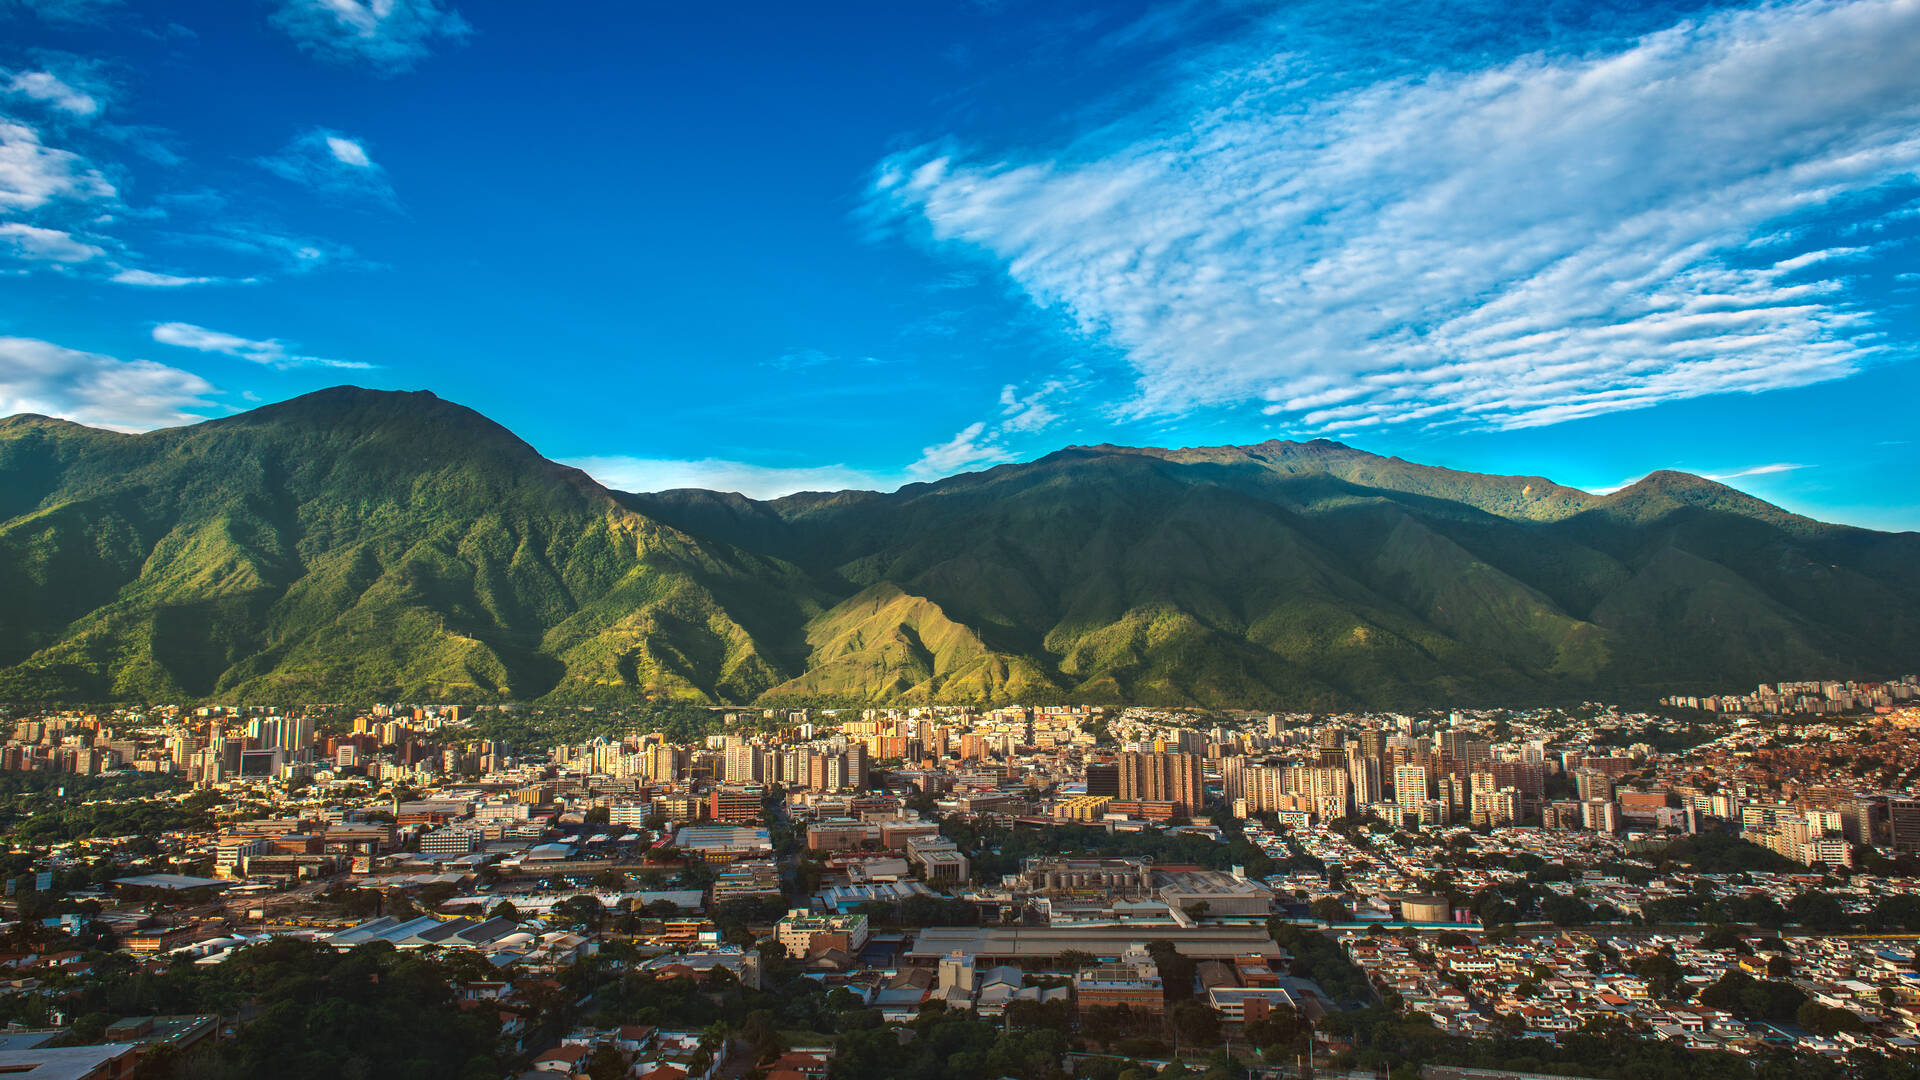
(564, 1060)
(800, 1065)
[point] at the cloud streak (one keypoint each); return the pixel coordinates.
(971, 447)
(33, 174)
(1528, 242)
(1753, 470)
(51, 90)
(45, 245)
(89, 388)
(719, 474)
(270, 352)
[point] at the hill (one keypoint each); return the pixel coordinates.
(361, 544)
(353, 544)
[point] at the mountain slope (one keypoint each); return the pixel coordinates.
(1316, 574)
(353, 542)
(360, 544)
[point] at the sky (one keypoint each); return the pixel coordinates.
(765, 249)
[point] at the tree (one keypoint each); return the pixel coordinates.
(1195, 1023)
(583, 912)
(606, 1063)
(1565, 910)
(1818, 911)
(1662, 973)
(1329, 910)
(1075, 959)
(1824, 1020)
(1753, 999)
(1176, 971)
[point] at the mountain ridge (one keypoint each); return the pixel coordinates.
(384, 543)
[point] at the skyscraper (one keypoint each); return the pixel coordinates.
(1410, 786)
(1163, 777)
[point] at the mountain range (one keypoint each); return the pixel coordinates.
(370, 545)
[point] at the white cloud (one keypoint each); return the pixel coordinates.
(966, 450)
(349, 152)
(33, 174)
(1753, 470)
(718, 474)
(270, 352)
(52, 90)
(150, 280)
(1029, 413)
(49, 245)
(1531, 242)
(334, 165)
(126, 395)
(389, 36)
(1718, 477)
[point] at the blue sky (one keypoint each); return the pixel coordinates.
(765, 250)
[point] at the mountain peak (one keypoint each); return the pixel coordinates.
(1665, 491)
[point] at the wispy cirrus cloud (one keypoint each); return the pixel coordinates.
(1721, 476)
(1753, 470)
(386, 36)
(47, 245)
(720, 474)
(334, 165)
(150, 279)
(90, 388)
(53, 91)
(33, 174)
(971, 447)
(1512, 244)
(270, 351)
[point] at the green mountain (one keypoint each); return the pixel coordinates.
(355, 544)
(351, 544)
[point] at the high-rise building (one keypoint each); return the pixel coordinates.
(1373, 743)
(1163, 777)
(857, 766)
(1103, 778)
(739, 761)
(1233, 779)
(1410, 787)
(1363, 773)
(1903, 816)
(1592, 784)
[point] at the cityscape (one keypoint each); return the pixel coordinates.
(1118, 889)
(967, 540)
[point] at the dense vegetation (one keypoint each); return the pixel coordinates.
(996, 850)
(315, 1014)
(38, 808)
(1318, 957)
(368, 545)
(1722, 853)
